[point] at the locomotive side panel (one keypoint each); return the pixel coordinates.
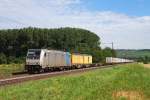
(54, 58)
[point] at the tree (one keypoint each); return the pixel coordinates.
(108, 52)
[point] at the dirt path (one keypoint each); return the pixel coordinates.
(128, 95)
(147, 65)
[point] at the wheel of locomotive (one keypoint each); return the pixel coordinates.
(42, 71)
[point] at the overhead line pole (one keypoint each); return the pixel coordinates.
(112, 46)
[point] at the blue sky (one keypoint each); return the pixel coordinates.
(129, 7)
(124, 22)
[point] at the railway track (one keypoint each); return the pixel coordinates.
(20, 79)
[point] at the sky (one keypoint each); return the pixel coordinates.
(126, 23)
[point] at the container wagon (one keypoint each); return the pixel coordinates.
(81, 60)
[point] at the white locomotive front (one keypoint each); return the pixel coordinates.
(33, 60)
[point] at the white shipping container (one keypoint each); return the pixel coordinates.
(117, 60)
(108, 59)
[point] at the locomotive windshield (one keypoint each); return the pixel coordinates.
(34, 54)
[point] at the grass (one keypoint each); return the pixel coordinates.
(101, 84)
(6, 70)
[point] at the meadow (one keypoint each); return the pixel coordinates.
(122, 82)
(6, 70)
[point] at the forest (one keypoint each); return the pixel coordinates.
(14, 43)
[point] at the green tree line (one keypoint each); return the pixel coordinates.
(14, 43)
(145, 59)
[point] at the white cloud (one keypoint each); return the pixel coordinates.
(126, 31)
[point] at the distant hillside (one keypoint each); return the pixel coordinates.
(133, 53)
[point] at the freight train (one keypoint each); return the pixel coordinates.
(42, 60)
(39, 60)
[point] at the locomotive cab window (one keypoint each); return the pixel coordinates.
(34, 54)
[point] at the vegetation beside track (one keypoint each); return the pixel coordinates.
(120, 82)
(14, 43)
(6, 70)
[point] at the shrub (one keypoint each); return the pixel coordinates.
(3, 58)
(15, 60)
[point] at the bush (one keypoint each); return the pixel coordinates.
(3, 58)
(146, 60)
(15, 60)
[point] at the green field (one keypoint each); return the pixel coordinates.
(123, 82)
(6, 70)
